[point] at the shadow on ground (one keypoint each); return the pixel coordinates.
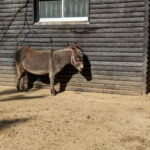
(21, 97)
(8, 123)
(12, 91)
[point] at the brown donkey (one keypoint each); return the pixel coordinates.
(46, 62)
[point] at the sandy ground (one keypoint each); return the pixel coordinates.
(73, 121)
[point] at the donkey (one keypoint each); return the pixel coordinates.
(46, 62)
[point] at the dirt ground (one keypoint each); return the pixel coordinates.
(73, 121)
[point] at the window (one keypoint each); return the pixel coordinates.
(63, 10)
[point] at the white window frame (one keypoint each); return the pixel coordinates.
(63, 19)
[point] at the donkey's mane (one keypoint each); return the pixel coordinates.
(61, 50)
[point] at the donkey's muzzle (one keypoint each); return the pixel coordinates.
(80, 68)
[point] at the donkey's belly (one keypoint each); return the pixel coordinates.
(39, 69)
(37, 72)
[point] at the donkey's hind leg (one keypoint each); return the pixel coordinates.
(22, 87)
(20, 73)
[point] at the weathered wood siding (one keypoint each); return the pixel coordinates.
(148, 52)
(114, 41)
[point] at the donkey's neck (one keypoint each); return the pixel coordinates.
(61, 58)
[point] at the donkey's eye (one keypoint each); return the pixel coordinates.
(78, 58)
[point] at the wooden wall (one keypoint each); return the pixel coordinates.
(115, 42)
(148, 52)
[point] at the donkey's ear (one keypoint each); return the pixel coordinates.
(68, 44)
(77, 45)
(70, 47)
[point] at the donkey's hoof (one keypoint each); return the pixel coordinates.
(26, 89)
(19, 90)
(53, 92)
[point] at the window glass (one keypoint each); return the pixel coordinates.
(75, 8)
(63, 10)
(50, 8)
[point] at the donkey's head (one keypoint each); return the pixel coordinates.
(76, 56)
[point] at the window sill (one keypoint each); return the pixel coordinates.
(62, 23)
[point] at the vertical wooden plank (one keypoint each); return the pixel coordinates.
(35, 11)
(146, 46)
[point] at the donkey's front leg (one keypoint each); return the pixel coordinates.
(52, 80)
